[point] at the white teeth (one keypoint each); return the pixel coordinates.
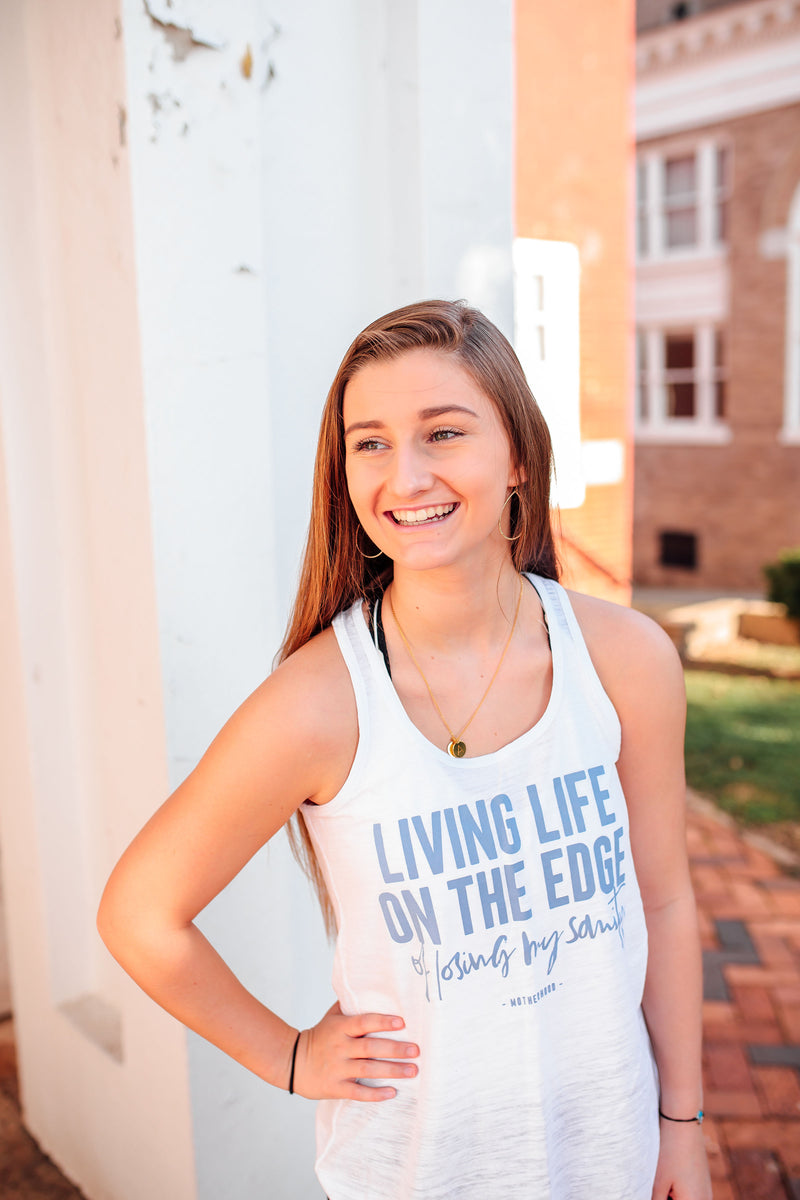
(415, 516)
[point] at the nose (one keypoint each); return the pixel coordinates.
(411, 473)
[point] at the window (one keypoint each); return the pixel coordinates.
(719, 375)
(642, 241)
(682, 201)
(679, 374)
(678, 550)
(642, 378)
(680, 384)
(721, 192)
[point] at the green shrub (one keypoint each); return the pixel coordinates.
(783, 578)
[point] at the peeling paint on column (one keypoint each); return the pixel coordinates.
(182, 39)
(162, 104)
(266, 45)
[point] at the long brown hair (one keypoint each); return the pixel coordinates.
(335, 572)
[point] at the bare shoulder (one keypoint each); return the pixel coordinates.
(310, 699)
(631, 653)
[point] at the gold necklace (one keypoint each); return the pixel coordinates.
(456, 747)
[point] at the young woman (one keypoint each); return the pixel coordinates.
(486, 775)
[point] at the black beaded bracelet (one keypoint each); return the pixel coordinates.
(294, 1059)
(684, 1120)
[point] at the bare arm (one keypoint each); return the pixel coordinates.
(642, 674)
(293, 739)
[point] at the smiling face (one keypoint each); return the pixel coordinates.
(427, 459)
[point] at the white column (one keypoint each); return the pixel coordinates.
(103, 1073)
(298, 169)
(203, 204)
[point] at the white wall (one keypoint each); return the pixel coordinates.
(82, 747)
(222, 196)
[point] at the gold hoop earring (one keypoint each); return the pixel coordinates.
(361, 552)
(513, 492)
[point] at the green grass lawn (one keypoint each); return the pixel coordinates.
(743, 744)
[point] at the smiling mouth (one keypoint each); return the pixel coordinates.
(410, 517)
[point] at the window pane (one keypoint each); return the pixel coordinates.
(642, 241)
(719, 348)
(681, 227)
(680, 399)
(719, 399)
(641, 350)
(679, 177)
(721, 221)
(642, 403)
(722, 168)
(641, 184)
(679, 351)
(719, 375)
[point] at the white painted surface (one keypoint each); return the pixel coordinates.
(602, 461)
(741, 59)
(677, 292)
(364, 163)
(546, 339)
(207, 202)
(81, 731)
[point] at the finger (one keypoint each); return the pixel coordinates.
(359, 1091)
(372, 1047)
(362, 1024)
(370, 1068)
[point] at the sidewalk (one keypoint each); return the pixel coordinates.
(750, 925)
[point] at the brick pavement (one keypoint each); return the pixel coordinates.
(750, 926)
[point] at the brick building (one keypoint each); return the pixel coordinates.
(717, 397)
(573, 192)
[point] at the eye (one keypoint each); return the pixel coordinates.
(366, 445)
(445, 435)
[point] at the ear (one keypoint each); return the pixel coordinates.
(517, 475)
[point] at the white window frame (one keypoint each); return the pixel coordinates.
(705, 426)
(708, 196)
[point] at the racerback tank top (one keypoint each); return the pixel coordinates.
(491, 902)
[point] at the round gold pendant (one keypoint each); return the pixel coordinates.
(456, 749)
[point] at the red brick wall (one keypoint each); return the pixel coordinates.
(742, 499)
(574, 153)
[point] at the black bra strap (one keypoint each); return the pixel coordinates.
(378, 634)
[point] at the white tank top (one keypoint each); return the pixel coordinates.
(491, 902)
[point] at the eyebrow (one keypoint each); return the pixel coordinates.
(425, 414)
